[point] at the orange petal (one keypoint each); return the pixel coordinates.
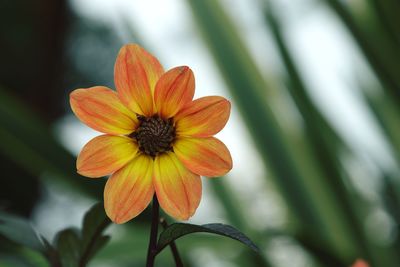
(129, 191)
(178, 189)
(105, 154)
(360, 263)
(203, 117)
(100, 108)
(204, 156)
(136, 73)
(174, 89)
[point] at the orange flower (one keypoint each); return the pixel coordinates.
(157, 139)
(360, 263)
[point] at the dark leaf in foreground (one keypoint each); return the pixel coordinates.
(51, 254)
(68, 245)
(76, 247)
(177, 230)
(94, 223)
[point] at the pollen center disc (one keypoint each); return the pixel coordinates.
(154, 135)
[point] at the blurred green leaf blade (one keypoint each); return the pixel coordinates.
(20, 231)
(326, 146)
(250, 91)
(382, 64)
(23, 133)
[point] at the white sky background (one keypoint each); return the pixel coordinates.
(325, 53)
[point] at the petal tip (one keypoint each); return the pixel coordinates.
(113, 216)
(207, 157)
(136, 72)
(229, 163)
(204, 117)
(129, 190)
(119, 217)
(117, 220)
(73, 93)
(174, 90)
(184, 217)
(184, 69)
(130, 46)
(87, 173)
(226, 102)
(224, 171)
(73, 98)
(80, 170)
(100, 108)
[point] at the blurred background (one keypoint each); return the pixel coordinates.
(314, 131)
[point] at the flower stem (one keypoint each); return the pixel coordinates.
(172, 245)
(151, 251)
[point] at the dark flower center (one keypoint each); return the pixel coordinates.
(154, 135)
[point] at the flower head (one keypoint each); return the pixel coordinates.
(156, 139)
(360, 263)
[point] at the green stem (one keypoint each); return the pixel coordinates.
(172, 245)
(151, 252)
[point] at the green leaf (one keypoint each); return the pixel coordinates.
(95, 220)
(94, 223)
(77, 247)
(68, 245)
(20, 231)
(51, 253)
(98, 244)
(177, 230)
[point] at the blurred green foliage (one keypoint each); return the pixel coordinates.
(60, 51)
